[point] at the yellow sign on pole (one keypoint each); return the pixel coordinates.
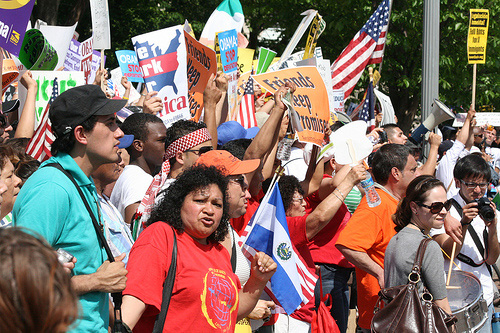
(478, 34)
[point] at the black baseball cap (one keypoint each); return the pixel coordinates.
(78, 104)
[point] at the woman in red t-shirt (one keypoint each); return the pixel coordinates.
(206, 296)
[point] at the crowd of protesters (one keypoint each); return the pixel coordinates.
(183, 196)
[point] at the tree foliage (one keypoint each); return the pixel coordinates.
(402, 66)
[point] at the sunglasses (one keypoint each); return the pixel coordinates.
(436, 207)
(240, 180)
(201, 151)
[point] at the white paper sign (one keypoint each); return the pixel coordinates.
(482, 118)
(60, 38)
(100, 24)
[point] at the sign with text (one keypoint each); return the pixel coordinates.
(100, 24)
(9, 71)
(14, 16)
(245, 59)
(162, 59)
(201, 63)
(310, 99)
(36, 52)
(127, 59)
(227, 45)
(75, 58)
(482, 118)
(478, 34)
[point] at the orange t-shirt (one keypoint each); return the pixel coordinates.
(369, 230)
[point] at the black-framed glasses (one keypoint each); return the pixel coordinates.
(201, 151)
(472, 185)
(436, 207)
(240, 180)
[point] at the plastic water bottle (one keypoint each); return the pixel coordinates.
(285, 148)
(372, 196)
(495, 322)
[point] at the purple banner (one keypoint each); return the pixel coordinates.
(14, 16)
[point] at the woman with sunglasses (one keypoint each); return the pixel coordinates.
(424, 207)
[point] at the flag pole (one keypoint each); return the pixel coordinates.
(387, 33)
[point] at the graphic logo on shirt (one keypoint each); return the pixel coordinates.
(283, 251)
(219, 299)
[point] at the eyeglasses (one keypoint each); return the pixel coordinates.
(436, 207)
(201, 151)
(240, 180)
(299, 199)
(472, 186)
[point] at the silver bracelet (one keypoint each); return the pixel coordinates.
(342, 194)
(335, 194)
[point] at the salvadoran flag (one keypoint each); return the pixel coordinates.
(292, 286)
(227, 16)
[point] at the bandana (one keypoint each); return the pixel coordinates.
(182, 144)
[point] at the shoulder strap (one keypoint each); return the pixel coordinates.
(168, 286)
(420, 254)
(233, 252)
(98, 230)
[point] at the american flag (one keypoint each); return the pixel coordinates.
(40, 143)
(366, 48)
(246, 116)
(367, 113)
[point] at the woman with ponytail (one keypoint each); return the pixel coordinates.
(424, 207)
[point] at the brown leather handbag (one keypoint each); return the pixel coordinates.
(406, 310)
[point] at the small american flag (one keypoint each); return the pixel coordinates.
(367, 113)
(246, 116)
(40, 143)
(366, 48)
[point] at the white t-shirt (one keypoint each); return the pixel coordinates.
(130, 187)
(495, 156)
(469, 249)
(444, 171)
(295, 166)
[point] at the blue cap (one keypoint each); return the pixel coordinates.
(233, 130)
(126, 141)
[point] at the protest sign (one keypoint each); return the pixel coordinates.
(266, 56)
(45, 81)
(73, 61)
(9, 71)
(318, 25)
(115, 85)
(310, 99)
(36, 52)
(162, 58)
(60, 38)
(228, 45)
(100, 24)
(127, 59)
(293, 59)
(338, 104)
(482, 118)
(201, 63)
(86, 51)
(14, 15)
(478, 34)
(245, 60)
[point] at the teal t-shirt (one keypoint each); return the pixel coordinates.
(49, 204)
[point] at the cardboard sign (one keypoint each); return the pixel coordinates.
(318, 25)
(245, 60)
(478, 34)
(127, 59)
(100, 24)
(162, 58)
(36, 52)
(45, 81)
(9, 71)
(74, 59)
(60, 38)
(293, 59)
(14, 16)
(201, 63)
(310, 99)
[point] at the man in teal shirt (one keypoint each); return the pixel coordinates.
(83, 121)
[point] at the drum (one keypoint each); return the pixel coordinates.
(466, 300)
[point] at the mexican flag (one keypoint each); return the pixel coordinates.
(227, 16)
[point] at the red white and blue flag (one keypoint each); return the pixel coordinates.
(292, 286)
(366, 48)
(367, 114)
(39, 145)
(246, 115)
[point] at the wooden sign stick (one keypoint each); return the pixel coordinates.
(474, 71)
(451, 264)
(103, 83)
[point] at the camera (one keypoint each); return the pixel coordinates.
(383, 136)
(63, 256)
(485, 211)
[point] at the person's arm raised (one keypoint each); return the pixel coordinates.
(26, 126)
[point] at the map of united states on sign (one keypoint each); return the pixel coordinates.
(162, 61)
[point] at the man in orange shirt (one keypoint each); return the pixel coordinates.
(368, 232)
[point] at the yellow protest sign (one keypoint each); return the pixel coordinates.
(478, 34)
(310, 100)
(245, 60)
(318, 25)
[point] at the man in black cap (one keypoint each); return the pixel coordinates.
(87, 136)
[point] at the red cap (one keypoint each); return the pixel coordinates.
(227, 163)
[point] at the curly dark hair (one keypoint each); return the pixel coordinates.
(416, 192)
(193, 179)
(287, 185)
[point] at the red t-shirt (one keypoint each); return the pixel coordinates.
(297, 230)
(322, 246)
(205, 293)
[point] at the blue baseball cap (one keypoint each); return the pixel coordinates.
(126, 141)
(233, 130)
